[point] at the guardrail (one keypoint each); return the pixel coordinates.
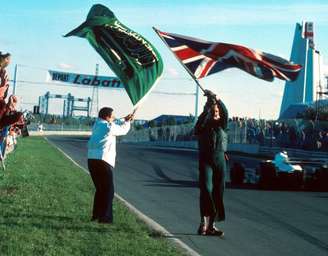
(294, 152)
(253, 149)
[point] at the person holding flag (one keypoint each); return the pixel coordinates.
(139, 66)
(101, 161)
(202, 58)
(212, 143)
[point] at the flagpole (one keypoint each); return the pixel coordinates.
(198, 84)
(191, 74)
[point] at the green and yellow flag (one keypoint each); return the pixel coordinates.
(131, 57)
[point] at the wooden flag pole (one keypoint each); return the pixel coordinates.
(134, 111)
(191, 74)
(198, 84)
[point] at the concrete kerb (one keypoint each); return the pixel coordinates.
(60, 133)
(153, 225)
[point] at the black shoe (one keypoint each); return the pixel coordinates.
(201, 230)
(214, 231)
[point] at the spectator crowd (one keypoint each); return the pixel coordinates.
(303, 134)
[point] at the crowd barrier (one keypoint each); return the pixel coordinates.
(182, 136)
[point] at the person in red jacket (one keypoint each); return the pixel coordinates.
(8, 113)
(4, 79)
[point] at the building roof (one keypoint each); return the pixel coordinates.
(293, 110)
(178, 118)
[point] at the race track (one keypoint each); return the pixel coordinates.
(162, 183)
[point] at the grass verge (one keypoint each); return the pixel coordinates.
(45, 205)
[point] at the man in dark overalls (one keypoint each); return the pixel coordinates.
(212, 142)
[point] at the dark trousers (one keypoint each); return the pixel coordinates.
(102, 177)
(211, 184)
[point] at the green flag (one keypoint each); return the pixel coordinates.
(132, 58)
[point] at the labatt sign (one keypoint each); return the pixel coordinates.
(82, 79)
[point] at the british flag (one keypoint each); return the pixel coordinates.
(202, 58)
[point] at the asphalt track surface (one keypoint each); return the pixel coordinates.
(162, 183)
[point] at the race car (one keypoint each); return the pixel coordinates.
(292, 174)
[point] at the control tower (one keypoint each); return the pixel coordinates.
(303, 91)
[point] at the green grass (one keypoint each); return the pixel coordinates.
(45, 206)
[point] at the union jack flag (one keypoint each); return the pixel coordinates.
(202, 58)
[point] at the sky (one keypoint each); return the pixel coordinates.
(32, 31)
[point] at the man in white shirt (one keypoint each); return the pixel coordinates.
(101, 161)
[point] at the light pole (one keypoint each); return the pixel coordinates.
(15, 79)
(196, 102)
